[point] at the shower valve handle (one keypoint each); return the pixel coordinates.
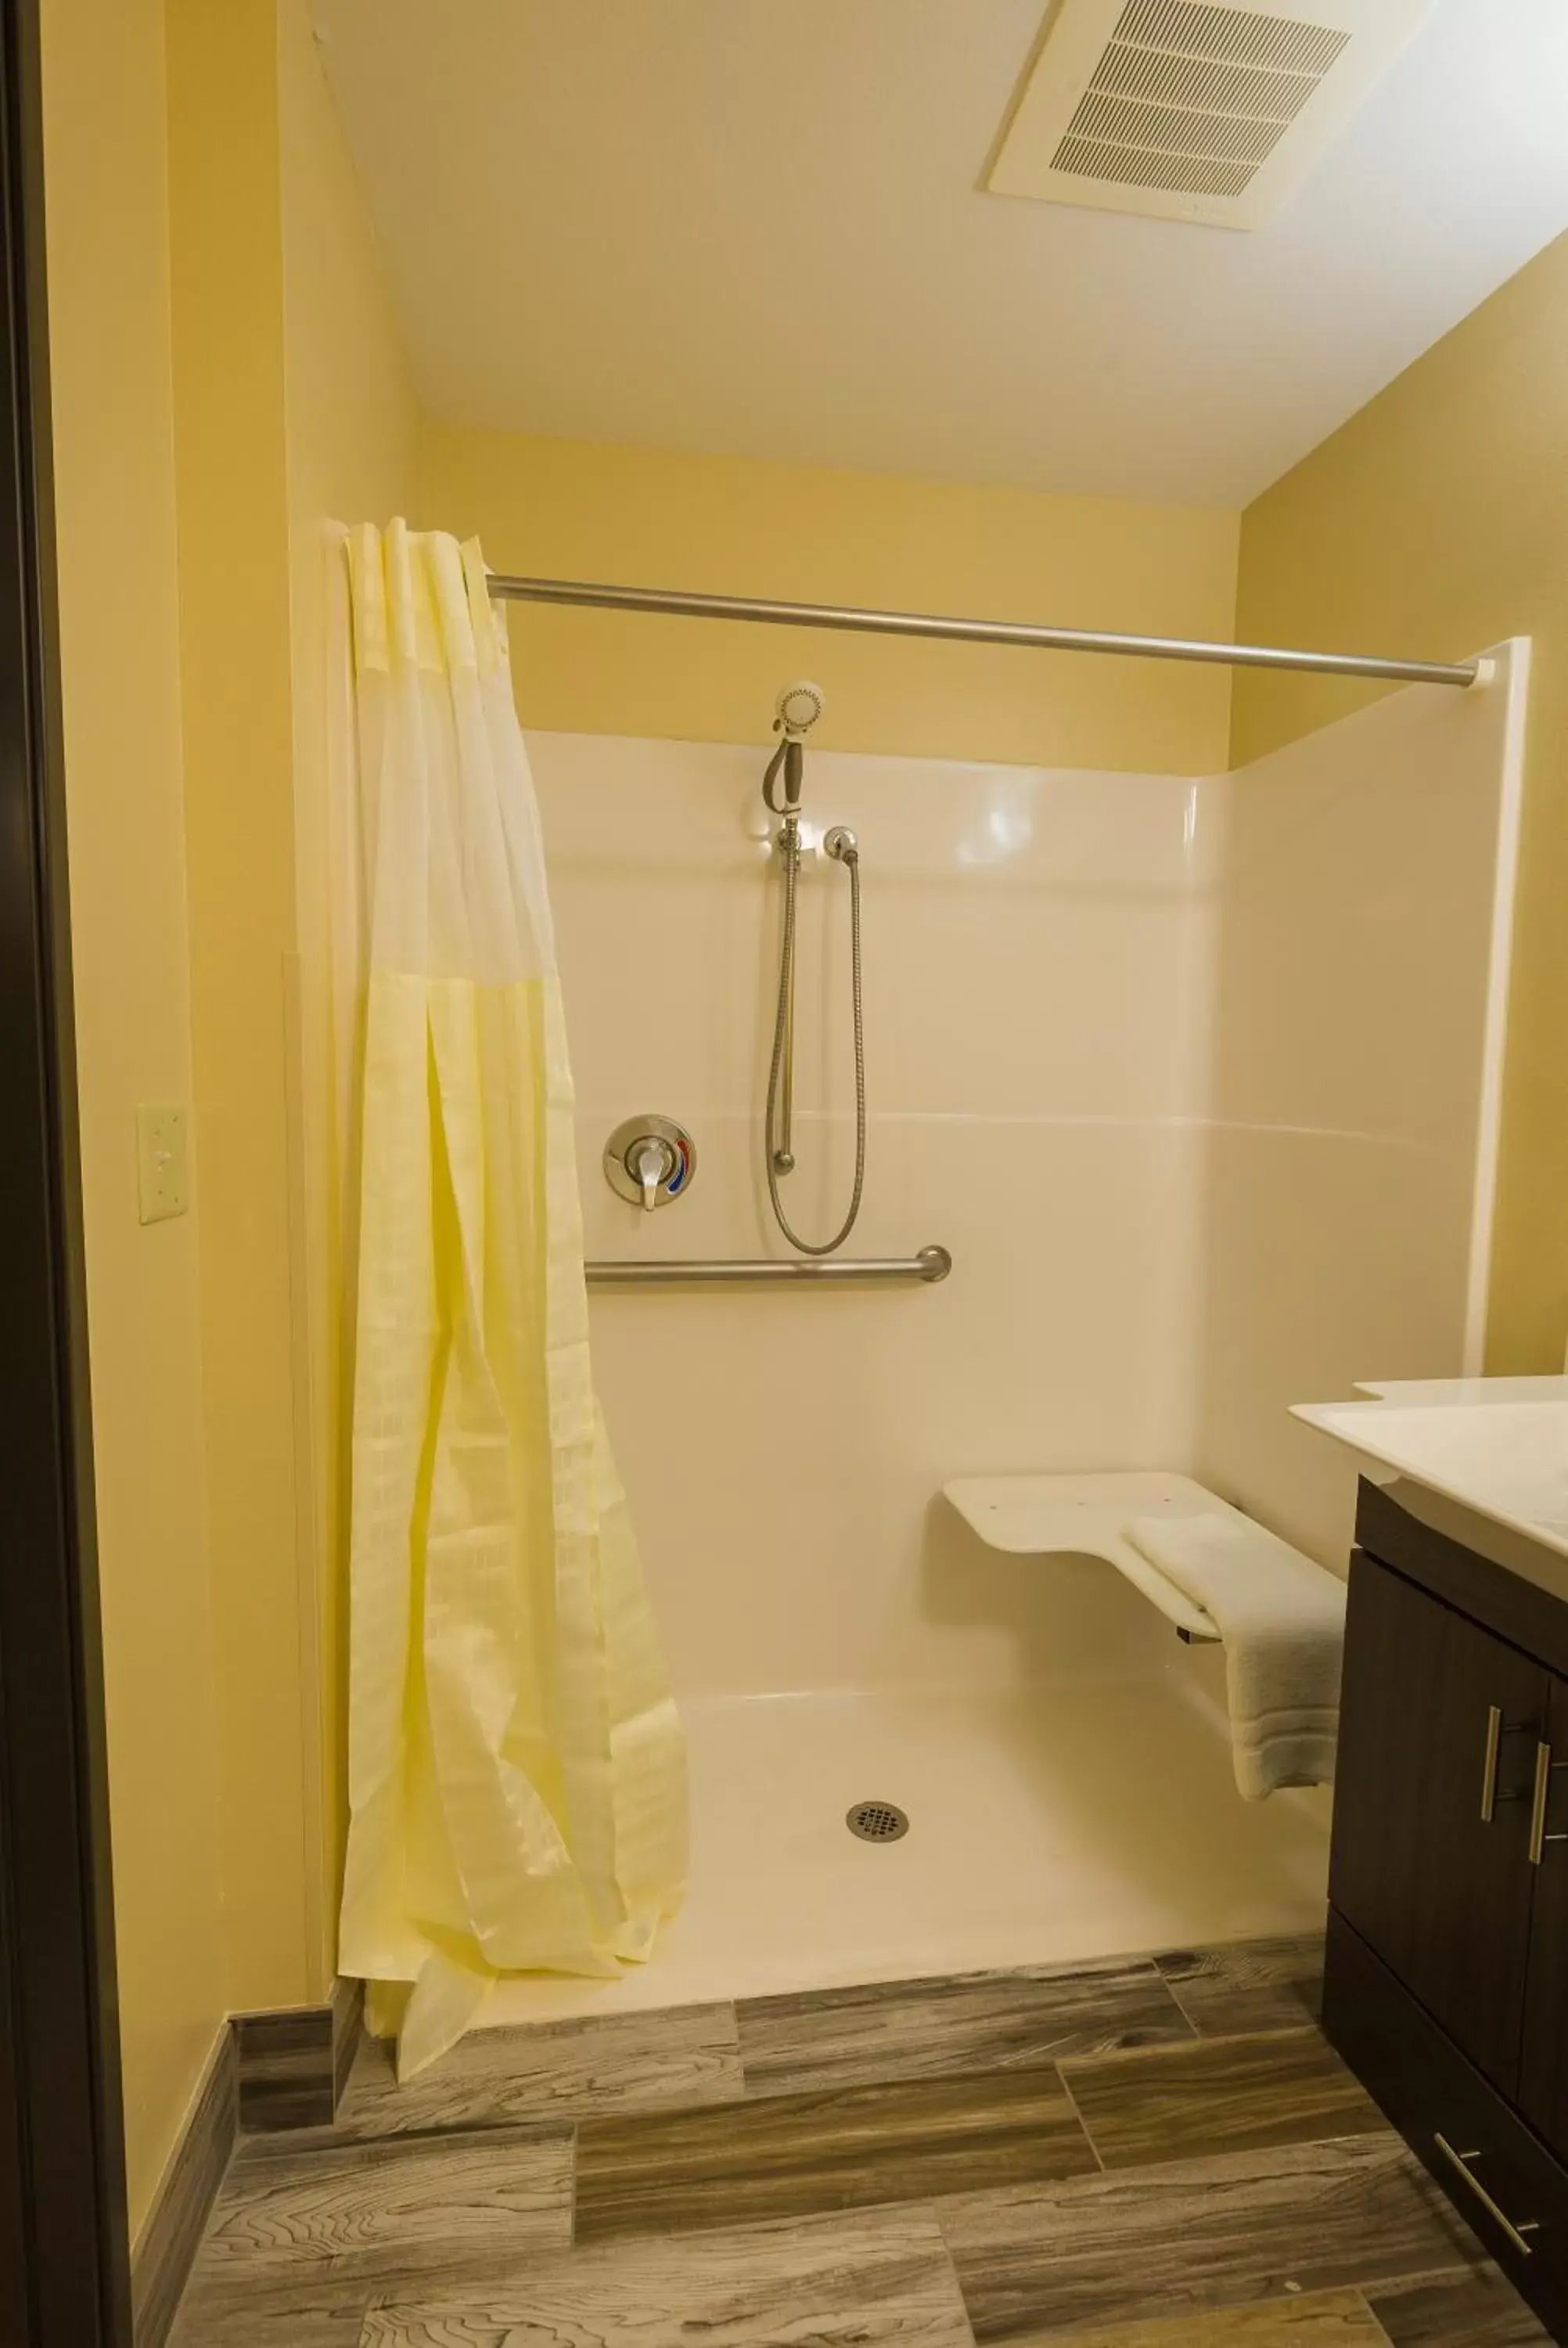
(651, 1161)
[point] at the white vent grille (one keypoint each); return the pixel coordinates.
(1240, 35)
(1200, 109)
(1170, 138)
(1196, 175)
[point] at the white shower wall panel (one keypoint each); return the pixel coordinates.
(1360, 896)
(1035, 1015)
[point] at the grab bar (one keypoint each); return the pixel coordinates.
(931, 1263)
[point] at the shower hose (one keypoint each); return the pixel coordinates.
(789, 844)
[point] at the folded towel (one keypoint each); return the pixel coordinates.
(1282, 1618)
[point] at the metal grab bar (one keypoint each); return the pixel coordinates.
(932, 1263)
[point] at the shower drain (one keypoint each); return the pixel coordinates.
(877, 1821)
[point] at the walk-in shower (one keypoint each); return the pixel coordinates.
(1112, 1057)
(1107, 1053)
(799, 707)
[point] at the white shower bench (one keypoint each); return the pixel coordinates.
(1086, 1516)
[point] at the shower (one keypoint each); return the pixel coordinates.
(798, 708)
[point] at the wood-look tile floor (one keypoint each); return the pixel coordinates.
(1163, 2153)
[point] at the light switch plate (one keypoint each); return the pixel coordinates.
(163, 1160)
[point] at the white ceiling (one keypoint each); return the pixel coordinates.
(756, 226)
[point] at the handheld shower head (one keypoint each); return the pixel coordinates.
(799, 706)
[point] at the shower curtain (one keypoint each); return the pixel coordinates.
(516, 1773)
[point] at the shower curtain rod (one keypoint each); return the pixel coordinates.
(685, 607)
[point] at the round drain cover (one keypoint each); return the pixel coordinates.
(877, 1821)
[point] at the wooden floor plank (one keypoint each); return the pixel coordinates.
(312, 2312)
(1329, 2319)
(932, 2029)
(787, 2156)
(880, 2278)
(1215, 2094)
(1247, 1985)
(1215, 2232)
(1469, 2307)
(360, 2206)
(552, 2070)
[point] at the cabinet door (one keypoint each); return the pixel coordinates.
(1438, 1734)
(1543, 2066)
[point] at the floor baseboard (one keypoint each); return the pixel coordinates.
(285, 2069)
(348, 2016)
(293, 2061)
(161, 2261)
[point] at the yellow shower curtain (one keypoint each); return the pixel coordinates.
(517, 1772)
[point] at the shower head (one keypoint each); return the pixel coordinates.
(799, 706)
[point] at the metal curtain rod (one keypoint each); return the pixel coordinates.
(931, 1263)
(971, 631)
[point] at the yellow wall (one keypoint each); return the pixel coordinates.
(656, 517)
(226, 375)
(1434, 522)
(292, 405)
(227, 262)
(114, 460)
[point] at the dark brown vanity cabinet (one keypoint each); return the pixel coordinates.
(1439, 1725)
(1447, 1978)
(1542, 2094)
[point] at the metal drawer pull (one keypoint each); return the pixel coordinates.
(1497, 1728)
(1462, 2161)
(1489, 1765)
(1538, 1803)
(1496, 1731)
(1538, 1837)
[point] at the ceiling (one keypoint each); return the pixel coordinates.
(756, 226)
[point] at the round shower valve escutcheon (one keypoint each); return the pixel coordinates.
(650, 1160)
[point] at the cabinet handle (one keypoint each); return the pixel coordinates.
(1538, 1803)
(1462, 2161)
(1541, 1795)
(1497, 1728)
(1489, 1764)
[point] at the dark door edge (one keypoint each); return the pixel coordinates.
(63, 2158)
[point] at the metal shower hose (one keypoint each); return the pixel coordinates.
(790, 843)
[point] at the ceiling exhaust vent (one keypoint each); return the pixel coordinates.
(1206, 110)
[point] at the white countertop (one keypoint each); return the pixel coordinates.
(1496, 1446)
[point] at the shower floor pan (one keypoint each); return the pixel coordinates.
(1046, 1825)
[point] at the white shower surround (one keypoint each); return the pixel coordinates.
(1198, 1079)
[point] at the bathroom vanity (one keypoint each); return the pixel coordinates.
(1446, 1987)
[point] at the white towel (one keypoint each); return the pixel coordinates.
(1282, 1618)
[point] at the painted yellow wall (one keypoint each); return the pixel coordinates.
(1434, 522)
(226, 375)
(226, 267)
(108, 222)
(657, 517)
(292, 405)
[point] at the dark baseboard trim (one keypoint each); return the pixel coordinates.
(348, 2020)
(167, 2245)
(293, 2062)
(278, 2070)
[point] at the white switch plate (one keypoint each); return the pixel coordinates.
(163, 1160)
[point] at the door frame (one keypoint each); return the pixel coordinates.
(64, 2256)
